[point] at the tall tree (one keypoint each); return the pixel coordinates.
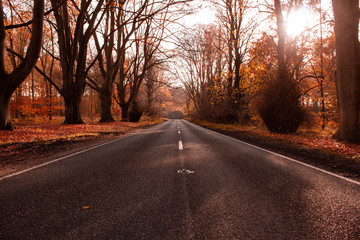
(122, 20)
(144, 44)
(108, 58)
(75, 25)
(201, 68)
(348, 68)
(280, 106)
(154, 84)
(132, 71)
(238, 32)
(10, 81)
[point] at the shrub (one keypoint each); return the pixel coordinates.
(280, 108)
(135, 113)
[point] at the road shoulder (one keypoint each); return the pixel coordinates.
(320, 158)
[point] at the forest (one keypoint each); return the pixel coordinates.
(278, 63)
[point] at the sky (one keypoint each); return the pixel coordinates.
(298, 21)
(204, 15)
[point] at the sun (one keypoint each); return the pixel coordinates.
(299, 21)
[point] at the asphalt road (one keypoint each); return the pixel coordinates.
(178, 181)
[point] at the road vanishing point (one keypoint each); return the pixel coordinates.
(177, 180)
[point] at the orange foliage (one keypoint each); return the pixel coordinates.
(24, 107)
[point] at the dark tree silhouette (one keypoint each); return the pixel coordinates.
(73, 46)
(10, 81)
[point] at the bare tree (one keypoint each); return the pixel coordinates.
(108, 56)
(138, 55)
(132, 29)
(201, 66)
(132, 71)
(154, 80)
(74, 25)
(238, 29)
(122, 20)
(10, 81)
(47, 62)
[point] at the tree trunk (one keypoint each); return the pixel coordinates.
(348, 68)
(10, 81)
(149, 104)
(124, 112)
(18, 98)
(72, 109)
(105, 103)
(281, 30)
(5, 119)
(50, 102)
(323, 107)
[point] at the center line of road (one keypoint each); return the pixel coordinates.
(181, 147)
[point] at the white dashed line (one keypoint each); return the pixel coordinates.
(181, 147)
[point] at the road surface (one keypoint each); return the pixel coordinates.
(178, 181)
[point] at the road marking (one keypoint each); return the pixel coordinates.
(285, 157)
(179, 132)
(187, 171)
(181, 147)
